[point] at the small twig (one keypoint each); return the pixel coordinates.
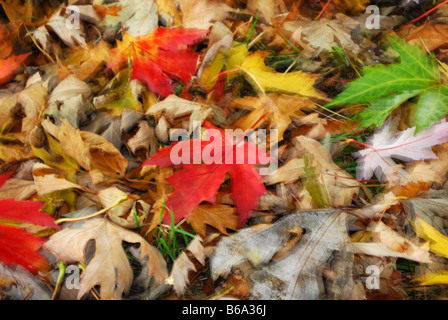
(323, 10)
(428, 12)
(40, 49)
(256, 39)
(240, 27)
(331, 111)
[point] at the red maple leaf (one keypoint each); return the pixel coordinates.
(159, 56)
(195, 183)
(17, 246)
(9, 63)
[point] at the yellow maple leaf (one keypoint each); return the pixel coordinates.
(438, 243)
(225, 59)
(264, 77)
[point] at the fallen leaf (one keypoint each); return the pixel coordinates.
(137, 17)
(340, 186)
(72, 37)
(174, 107)
(324, 35)
(69, 100)
(428, 36)
(183, 265)
(18, 189)
(26, 211)
(438, 243)
(281, 109)
(109, 268)
(169, 12)
(431, 208)
(92, 152)
(206, 179)
(48, 180)
(268, 8)
(429, 279)
(84, 62)
(220, 217)
(297, 275)
(119, 95)
(144, 139)
(387, 143)
(159, 56)
(354, 6)
(33, 100)
(386, 87)
(9, 66)
(19, 247)
(263, 77)
(18, 284)
(393, 241)
(129, 213)
(200, 14)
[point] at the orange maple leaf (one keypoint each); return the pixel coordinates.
(159, 56)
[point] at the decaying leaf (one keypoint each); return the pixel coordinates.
(18, 284)
(109, 268)
(85, 61)
(429, 36)
(298, 274)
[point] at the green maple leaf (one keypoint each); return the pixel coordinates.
(386, 87)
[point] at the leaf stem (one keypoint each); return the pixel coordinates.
(62, 266)
(240, 27)
(124, 198)
(357, 142)
(388, 205)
